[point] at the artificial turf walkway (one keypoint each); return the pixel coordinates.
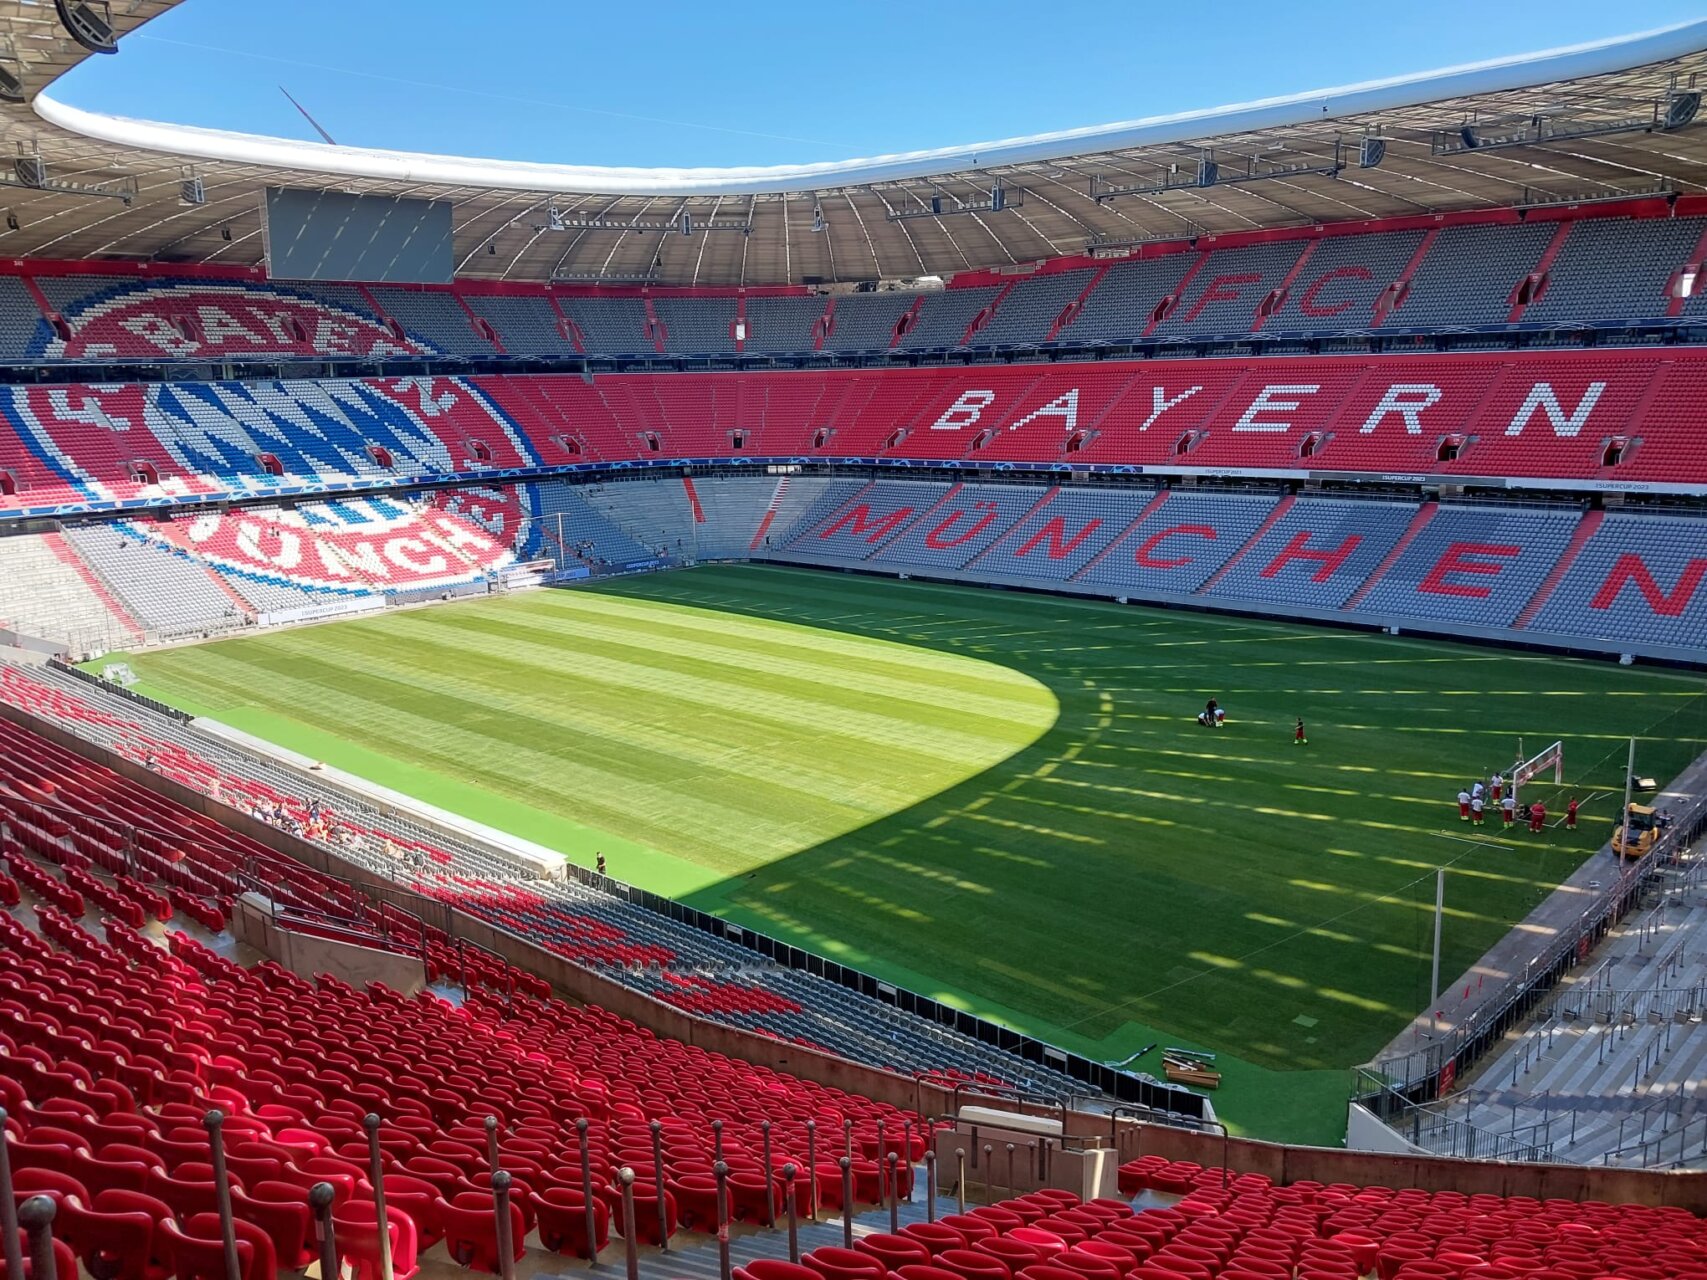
(997, 799)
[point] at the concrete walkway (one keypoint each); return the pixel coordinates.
(1557, 914)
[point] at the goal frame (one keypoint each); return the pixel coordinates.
(1551, 757)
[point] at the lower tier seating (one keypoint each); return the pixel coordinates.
(117, 1038)
(581, 923)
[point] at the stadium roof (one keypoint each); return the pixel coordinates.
(1592, 121)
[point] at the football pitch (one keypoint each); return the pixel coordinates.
(996, 799)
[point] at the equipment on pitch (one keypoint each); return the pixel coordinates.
(1634, 837)
(1551, 758)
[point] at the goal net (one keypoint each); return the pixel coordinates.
(1551, 761)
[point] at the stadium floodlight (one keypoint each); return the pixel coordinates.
(191, 191)
(1681, 109)
(1658, 189)
(557, 220)
(999, 199)
(1210, 173)
(597, 277)
(11, 74)
(1675, 111)
(1118, 246)
(90, 23)
(30, 172)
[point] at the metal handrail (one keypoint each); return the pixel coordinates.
(1602, 912)
(1170, 1120)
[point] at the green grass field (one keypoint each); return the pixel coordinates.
(997, 799)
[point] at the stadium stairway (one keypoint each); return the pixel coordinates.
(1149, 509)
(1269, 521)
(1586, 529)
(1610, 1071)
(1419, 521)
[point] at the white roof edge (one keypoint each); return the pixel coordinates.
(1598, 57)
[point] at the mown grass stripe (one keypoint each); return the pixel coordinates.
(807, 746)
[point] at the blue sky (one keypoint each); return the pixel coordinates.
(763, 82)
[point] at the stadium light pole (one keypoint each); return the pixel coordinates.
(1434, 973)
(1624, 815)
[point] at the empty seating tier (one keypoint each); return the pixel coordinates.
(587, 926)
(1455, 275)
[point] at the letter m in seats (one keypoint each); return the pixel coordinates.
(858, 520)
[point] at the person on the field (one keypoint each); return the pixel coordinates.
(1496, 786)
(1476, 791)
(1537, 816)
(1298, 738)
(1212, 709)
(1220, 716)
(1463, 805)
(1571, 815)
(1508, 810)
(1476, 807)
(1203, 720)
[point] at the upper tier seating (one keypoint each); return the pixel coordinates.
(609, 326)
(526, 324)
(433, 318)
(23, 331)
(116, 317)
(1251, 1225)
(1608, 271)
(1123, 305)
(1469, 275)
(1592, 271)
(1341, 281)
(697, 326)
(115, 1049)
(782, 326)
(1031, 308)
(866, 321)
(1222, 298)
(944, 318)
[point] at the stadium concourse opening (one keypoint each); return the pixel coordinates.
(1042, 834)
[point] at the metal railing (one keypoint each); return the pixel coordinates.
(1123, 1086)
(1388, 1087)
(1651, 1152)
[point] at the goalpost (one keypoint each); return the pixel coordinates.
(1549, 759)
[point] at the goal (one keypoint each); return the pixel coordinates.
(1550, 760)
